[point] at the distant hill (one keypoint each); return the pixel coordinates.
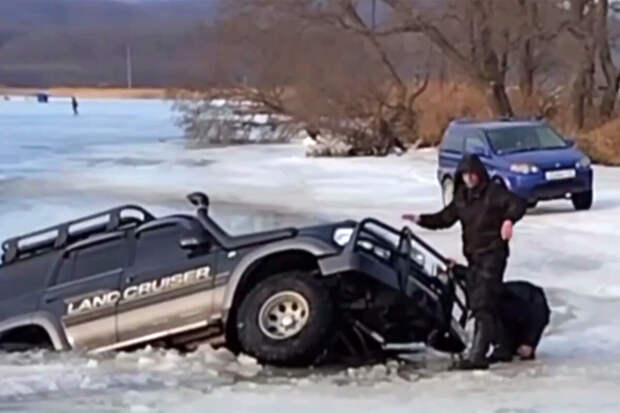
(83, 42)
(88, 12)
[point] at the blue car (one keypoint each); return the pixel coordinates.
(526, 156)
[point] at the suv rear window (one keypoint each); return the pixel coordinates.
(524, 138)
(453, 141)
(94, 260)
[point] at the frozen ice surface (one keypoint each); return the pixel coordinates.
(54, 166)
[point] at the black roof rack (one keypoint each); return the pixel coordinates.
(61, 235)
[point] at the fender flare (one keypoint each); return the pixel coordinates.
(313, 246)
(41, 319)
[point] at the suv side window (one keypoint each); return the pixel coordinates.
(159, 245)
(473, 142)
(453, 141)
(93, 260)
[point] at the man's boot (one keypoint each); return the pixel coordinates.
(477, 359)
(502, 352)
(500, 355)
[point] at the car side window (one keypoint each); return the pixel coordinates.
(453, 141)
(65, 272)
(472, 143)
(93, 260)
(159, 245)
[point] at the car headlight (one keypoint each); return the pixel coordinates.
(584, 162)
(417, 256)
(524, 168)
(382, 253)
(342, 236)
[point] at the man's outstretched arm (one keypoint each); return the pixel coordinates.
(440, 220)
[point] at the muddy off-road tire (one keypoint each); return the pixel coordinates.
(286, 319)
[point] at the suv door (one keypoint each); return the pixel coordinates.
(169, 289)
(450, 153)
(84, 290)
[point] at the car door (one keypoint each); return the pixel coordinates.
(84, 290)
(451, 153)
(169, 288)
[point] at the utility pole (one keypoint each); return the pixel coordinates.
(374, 14)
(128, 64)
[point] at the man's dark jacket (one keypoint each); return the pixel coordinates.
(481, 211)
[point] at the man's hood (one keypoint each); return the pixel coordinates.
(473, 164)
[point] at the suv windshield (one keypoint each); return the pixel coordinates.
(524, 138)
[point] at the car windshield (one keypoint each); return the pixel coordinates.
(525, 138)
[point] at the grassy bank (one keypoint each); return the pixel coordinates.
(91, 92)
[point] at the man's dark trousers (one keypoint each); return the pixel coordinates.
(484, 290)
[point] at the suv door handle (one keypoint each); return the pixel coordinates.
(51, 299)
(129, 279)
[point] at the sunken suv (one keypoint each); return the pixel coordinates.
(122, 278)
(527, 156)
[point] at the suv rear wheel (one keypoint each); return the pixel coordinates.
(286, 319)
(582, 201)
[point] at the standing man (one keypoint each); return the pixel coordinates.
(74, 105)
(487, 212)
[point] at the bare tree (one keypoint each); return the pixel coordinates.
(610, 71)
(538, 28)
(329, 82)
(582, 28)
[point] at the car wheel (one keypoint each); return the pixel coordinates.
(447, 191)
(286, 319)
(582, 201)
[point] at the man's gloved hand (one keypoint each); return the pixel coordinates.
(506, 230)
(459, 271)
(411, 217)
(452, 262)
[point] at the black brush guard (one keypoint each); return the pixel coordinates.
(442, 297)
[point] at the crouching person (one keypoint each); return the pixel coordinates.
(525, 315)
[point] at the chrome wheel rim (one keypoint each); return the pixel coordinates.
(283, 315)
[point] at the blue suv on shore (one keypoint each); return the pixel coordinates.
(526, 156)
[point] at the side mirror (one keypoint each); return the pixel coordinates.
(480, 150)
(571, 142)
(190, 243)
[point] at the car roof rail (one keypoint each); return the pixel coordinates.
(525, 118)
(61, 235)
(463, 121)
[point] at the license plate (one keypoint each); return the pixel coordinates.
(560, 174)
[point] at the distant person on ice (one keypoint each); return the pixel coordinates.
(487, 212)
(74, 105)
